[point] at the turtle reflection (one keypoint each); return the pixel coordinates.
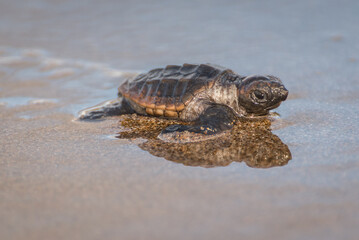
(251, 142)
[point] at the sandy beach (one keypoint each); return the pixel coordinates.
(65, 179)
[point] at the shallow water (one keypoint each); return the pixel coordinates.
(60, 178)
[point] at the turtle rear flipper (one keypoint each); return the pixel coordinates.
(109, 108)
(214, 122)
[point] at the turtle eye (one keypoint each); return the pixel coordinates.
(260, 96)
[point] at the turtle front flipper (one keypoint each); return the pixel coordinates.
(113, 107)
(214, 122)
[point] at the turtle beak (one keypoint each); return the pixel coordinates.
(284, 94)
(273, 106)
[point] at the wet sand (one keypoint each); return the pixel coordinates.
(64, 179)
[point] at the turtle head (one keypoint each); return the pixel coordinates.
(259, 94)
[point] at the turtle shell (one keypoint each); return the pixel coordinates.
(167, 91)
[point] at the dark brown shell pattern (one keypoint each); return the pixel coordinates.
(167, 91)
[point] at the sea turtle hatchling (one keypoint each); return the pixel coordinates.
(211, 97)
